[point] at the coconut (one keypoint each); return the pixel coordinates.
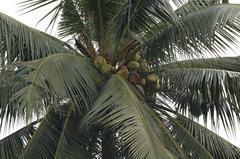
(107, 68)
(143, 82)
(133, 65)
(123, 72)
(100, 61)
(157, 86)
(134, 77)
(152, 78)
(144, 67)
(136, 57)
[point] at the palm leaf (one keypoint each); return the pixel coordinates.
(58, 77)
(75, 23)
(205, 86)
(181, 127)
(20, 42)
(209, 30)
(72, 144)
(10, 83)
(140, 17)
(216, 145)
(32, 5)
(190, 145)
(44, 142)
(194, 5)
(145, 15)
(57, 136)
(13, 145)
(120, 109)
(103, 11)
(71, 22)
(137, 17)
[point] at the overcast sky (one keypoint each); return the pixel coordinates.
(10, 8)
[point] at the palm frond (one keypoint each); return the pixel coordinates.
(45, 140)
(103, 11)
(74, 22)
(120, 109)
(72, 144)
(181, 127)
(206, 31)
(13, 145)
(59, 77)
(191, 145)
(194, 5)
(137, 18)
(57, 136)
(27, 6)
(141, 16)
(216, 145)
(93, 17)
(71, 22)
(21, 43)
(205, 86)
(10, 83)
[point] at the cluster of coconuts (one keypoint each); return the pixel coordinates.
(101, 63)
(135, 71)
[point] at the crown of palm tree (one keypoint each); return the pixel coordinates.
(128, 86)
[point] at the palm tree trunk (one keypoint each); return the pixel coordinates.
(108, 147)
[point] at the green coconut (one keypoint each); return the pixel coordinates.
(123, 72)
(143, 82)
(133, 65)
(152, 78)
(107, 68)
(136, 57)
(100, 61)
(157, 86)
(144, 67)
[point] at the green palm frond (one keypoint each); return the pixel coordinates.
(61, 140)
(71, 21)
(144, 14)
(194, 5)
(205, 86)
(140, 16)
(73, 144)
(21, 43)
(10, 83)
(13, 145)
(31, 5)
(27, 6)
(120, 109)
(92, 17)
(56, 77)
(102, 12)
(137, 18)
(75, 23)
(44, 142)
(191, 145)
(208, 30)
(91, 112)
(184, 129)
(216, 145)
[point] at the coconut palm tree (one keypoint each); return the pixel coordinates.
(129, 83)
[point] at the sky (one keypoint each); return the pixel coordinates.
(11, 8)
